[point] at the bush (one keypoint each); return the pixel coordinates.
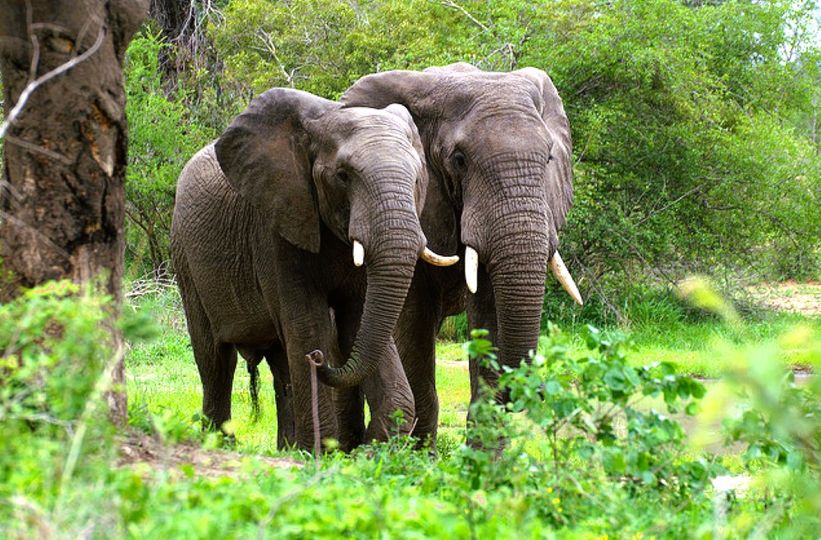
(162, 138)
(598, 441)
(54, 347)
(779, 424)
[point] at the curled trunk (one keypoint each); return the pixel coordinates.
(389, 272)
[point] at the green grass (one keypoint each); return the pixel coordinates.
(389, 490)
(163, 380)
(694, 347)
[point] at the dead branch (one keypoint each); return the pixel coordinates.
(451, 4)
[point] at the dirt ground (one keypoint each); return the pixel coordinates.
(140, 450)
(789, 296)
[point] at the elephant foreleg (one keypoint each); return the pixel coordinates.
(349, 402)
(390, 399)
(305, 332)
(283, 393)
(415, 337)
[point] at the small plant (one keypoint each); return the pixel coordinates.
(602, 428)
(779, 424)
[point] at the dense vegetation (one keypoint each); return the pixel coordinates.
(696, 145)
(597, 444)
(695, 150)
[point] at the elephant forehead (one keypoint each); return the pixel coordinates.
(363, 119)
(391, 151)
(462, 94)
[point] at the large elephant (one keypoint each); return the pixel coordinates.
(498, 151)
(261, 240)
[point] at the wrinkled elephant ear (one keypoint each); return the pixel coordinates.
(264, 154)
(411, 89)
(559, 175)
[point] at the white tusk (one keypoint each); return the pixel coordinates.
(471, 268)
(438, 260)
(358, 253)
(563, 275)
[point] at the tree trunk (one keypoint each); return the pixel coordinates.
(176, 19)
(63, 195)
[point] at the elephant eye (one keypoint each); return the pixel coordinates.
(342, 176)
(550, 158)
(459, 161)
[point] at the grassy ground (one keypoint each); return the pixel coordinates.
(632, 474)
(164, 387)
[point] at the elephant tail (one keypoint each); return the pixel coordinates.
(253, 372)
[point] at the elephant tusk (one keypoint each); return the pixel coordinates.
(471, 268)
(563, 275)
(438, 260)
(358, 253)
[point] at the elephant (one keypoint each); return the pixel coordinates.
(264, 223)
(498, 152)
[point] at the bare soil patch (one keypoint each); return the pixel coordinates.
(789, 296)
(138, 449)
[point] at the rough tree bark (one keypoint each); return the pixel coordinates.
(63, 195)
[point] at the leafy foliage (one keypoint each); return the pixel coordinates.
(597, 436)
(779, 426)
(687, 153)
(163, 138)
(54, 347)
(590, 444)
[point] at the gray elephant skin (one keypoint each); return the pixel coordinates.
(498, 151)
(261, 242)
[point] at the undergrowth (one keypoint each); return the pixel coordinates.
(589, 444)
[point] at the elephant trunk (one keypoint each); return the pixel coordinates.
(518, 258)
(518, 287)
(390, 259)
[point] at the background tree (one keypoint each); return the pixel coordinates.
(695, 123)
(65, 150)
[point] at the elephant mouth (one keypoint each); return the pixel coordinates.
(557, 266)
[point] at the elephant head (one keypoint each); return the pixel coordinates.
(306, 163)
(498, 148)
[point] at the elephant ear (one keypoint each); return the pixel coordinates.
(559, 175)
(265, 156)
(410, 89)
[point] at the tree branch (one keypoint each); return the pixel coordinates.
(453, 5)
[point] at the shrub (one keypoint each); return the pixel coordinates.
(162, 138)
(599, 439)
(54, 347)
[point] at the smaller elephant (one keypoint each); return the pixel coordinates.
(264, 225)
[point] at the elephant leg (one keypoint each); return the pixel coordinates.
(283, 393)
(389, 393)
(216, 362)
(304, 333)
(416, 343)
(481, 311)
(349, 402)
